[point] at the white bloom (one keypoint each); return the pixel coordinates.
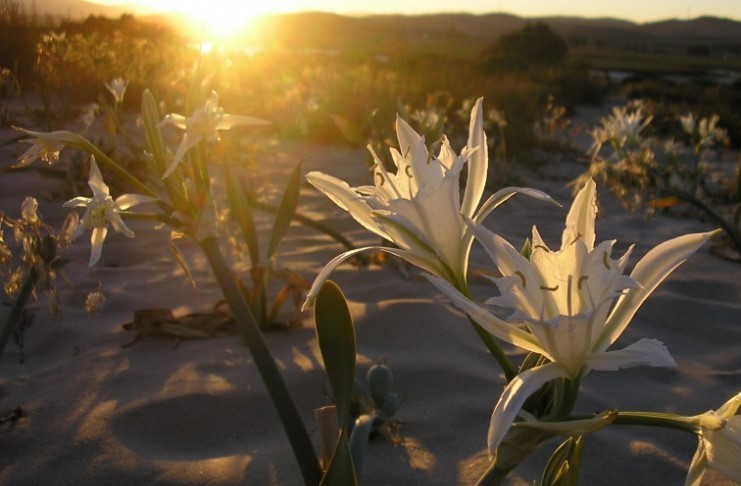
(45, 146)
(720, 443)
(623, 127)
(204, 124)
(570, 305)
(101, 210)
(419, 207)
(117, 87)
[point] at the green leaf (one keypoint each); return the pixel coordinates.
(286, 210)
(241, 211)
(336, 337)
(151, 117)
(359, 439)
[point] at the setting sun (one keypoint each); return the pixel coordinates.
(220, 18)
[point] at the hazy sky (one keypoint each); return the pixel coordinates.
(636, 10)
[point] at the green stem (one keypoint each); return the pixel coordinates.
(654, 419)
(509, 369)
(301, 444)
(20, 303)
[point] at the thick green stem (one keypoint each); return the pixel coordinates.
(654, 419)
(509, 369)
(20, 303)
(299, 438)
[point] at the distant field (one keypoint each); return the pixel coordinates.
(612, 60)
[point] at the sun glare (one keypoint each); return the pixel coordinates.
(220, 19)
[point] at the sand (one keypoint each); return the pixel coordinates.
(96, 413)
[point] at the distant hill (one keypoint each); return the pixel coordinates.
(602, 32)
(77, 9)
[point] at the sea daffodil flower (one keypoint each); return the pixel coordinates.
(620, 128)
(720, 443)
(419, 207)
(101, 210)
(204, 124)
(45, 146)
(117, 87)
(569, 305)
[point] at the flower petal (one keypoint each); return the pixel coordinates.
(697, 467)
(96, 244)
(645, 352)
(126, 201)
(345, 197)
(173, 119)
(228, 121)
(497, 327)
(100, 189)
(515, 394)
(649, 273)
(323, 275)
(120, 226)
(504, 194)
(723, 448)
(77, 202)
(478, 162)
(580, 220)
(730, 408)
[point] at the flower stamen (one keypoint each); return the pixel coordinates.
(520, 274)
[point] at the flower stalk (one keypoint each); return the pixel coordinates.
(294, 426)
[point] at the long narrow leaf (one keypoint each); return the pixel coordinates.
(241, 211)
(336, 337)
(286, 210)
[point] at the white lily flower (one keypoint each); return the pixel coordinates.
(569, 305)
(720, 443)
(622, 127)
(117, 87)
(45, 146)
(205, 123)
(101, 210)
(419, 207)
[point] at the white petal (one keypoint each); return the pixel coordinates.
(126, 201)
(227, 121)
(580, 220)
(95, 181)
(649, 273)
(730, 408)
(345, 197)
(96, 244)
(77, 202)
(697, 467)
(645, 352)
(497, 327)
(723, 448)
(173, 119)
(408, 138)
(503, 195)
(478, 162)
(120, 226)
(323, 275)
(187, 143)
(517, 392)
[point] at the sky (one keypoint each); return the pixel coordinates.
(635, 10)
